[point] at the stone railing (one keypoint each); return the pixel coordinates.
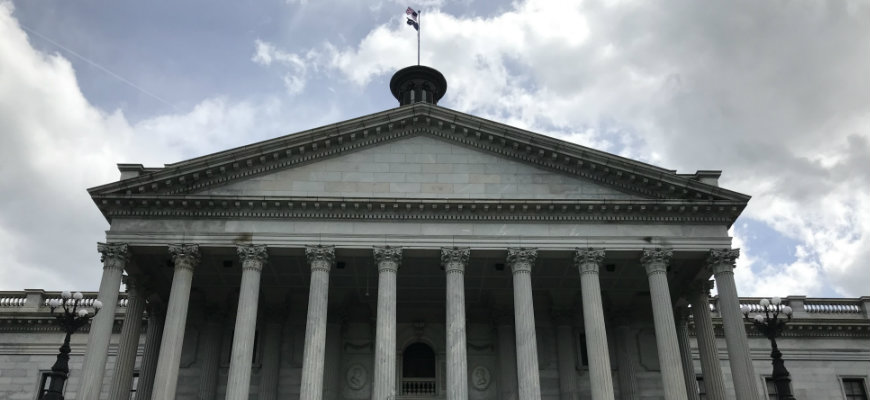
(418, 387)
(37, 300)
(803, 307)
(838, 306)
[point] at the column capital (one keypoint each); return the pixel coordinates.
(588, 260)
(521, 259)
(388, 258)
(114, 255)
(454, 259)
(253, 256)
(701, 287)
(656, 260)
(320, 257)
(184, 255)
(722, 260)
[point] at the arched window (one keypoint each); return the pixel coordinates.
(418, 361)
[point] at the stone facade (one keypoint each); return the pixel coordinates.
(826, 342)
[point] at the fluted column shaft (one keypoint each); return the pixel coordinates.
(626, 349)
(521, 261)
(128, 346)
(387, 259)
(706, 338)
(239, 377)
(589, 262)
(566, 356)
(185, 257)
(210, 360)
(686, 353)
(153, 334)
(507, 358)
(114, 257)
(454, 261)
(271, 359)
(656, 264)
(320, 259)
(742, 371)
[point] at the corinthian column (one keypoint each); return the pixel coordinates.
(128, 347)
(721, 261)
(625, 353)
(706, 338)
(454, 261)
(321, 259)
(655, 261)
(682, 314)
(114, 257)
(153, 334)
(239, 377)
(589, 261)
(521, 261)
(271, 357)
(387, 259)
(186, 258)
(210, 361)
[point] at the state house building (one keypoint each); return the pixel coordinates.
(418, 252)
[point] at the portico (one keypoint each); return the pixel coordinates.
(416, 253)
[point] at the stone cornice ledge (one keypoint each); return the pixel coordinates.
(412, 209)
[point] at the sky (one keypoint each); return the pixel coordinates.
(775, 93)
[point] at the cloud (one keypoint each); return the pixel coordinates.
(55, 144)
(776, 94)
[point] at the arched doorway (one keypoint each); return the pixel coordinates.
(418, 370)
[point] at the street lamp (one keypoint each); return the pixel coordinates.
(771, 326)
(73, 317)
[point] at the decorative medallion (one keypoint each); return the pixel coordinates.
(357, 376)
(480, 378)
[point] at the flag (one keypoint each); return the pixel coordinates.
(411, 14)
(414, 24)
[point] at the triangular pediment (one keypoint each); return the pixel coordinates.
(449, 148)
(420, 166)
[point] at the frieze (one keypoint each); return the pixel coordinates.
(379, 209)
(817, 328)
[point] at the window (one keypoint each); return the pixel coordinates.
(45, 383)
(702, 390)
(854, 389)
(582, 355)
(134, 385)
(418, 371)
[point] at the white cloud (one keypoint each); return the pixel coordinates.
(55, 144)
(776, 94)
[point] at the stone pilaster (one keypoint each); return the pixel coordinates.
(682, 320)
(566, 354)
(253, 258)
(114, 257)
(271, 357)
(625, 352)
(589, 261)
(128, 345)
(387, 260)
(655, 261)
(321, 259)
(507, 356)
(454, 261)
(706, 338)
(722, 262)
(185, 257)
(210, 360)
(521, 261)
(153, 334)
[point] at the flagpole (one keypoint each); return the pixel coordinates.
(419, 26)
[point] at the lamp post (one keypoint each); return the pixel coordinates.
(73, 317)
(771, 326)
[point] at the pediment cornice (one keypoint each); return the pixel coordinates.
(306, 147)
